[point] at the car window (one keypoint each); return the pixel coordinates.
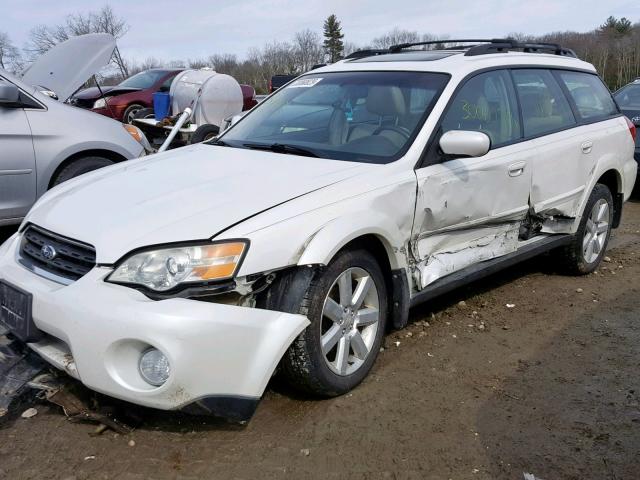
(591, 97)
(357, 116)
(544, 107)
(166, 85)
(486, 103)
(143, 79)
(629, 97)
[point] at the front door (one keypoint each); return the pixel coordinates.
(469, 209)
(17, 164)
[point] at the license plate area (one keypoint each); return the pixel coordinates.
(15, 312)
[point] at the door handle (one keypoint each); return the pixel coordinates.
(587, 147)
(517, 169)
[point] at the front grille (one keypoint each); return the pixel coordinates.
(72, 259)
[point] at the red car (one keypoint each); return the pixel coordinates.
(124, 100)
(129, 96)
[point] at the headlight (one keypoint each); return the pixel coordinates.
(138, 136)
(100, 103)
(164, 269)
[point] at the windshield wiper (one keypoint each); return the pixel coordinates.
(281, 148)
(219, 143)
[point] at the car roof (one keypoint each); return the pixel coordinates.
(454, 62)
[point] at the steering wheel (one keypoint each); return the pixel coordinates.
(402, 131)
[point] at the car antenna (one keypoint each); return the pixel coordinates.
(95, 79)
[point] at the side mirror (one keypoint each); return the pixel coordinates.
(465, 143)
(9, 93)
(231, 121)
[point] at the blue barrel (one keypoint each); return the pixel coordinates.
(161, 104)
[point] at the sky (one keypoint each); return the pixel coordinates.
(198, 28)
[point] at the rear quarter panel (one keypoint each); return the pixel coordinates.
(613, 150)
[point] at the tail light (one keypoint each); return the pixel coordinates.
(270, 87)
(632, 129)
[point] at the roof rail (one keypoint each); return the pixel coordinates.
(526, 47)
(482, 47)
(403, 46)
(366, 53)
(494, 45)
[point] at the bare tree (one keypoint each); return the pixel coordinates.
(10, 58)
(307, 49)
(395, 37)
(43, 37)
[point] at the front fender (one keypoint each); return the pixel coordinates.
(328, 240)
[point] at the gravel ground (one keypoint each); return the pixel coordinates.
(471, 389)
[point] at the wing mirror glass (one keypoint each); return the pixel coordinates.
(465, 143)
(9, 93)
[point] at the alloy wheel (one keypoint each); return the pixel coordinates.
(350, 318)
(596, 231)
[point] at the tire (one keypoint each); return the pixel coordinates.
(144, 113)
(585, 252)
(131, 111)
(204, 133)
(304, 366)
(80, 166)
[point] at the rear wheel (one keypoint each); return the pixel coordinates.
(80, 166)
(130, 113)
(144, 113)
(347, 308)
(585, 252)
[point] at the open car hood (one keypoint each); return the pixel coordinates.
(92, 93)
(65, 67)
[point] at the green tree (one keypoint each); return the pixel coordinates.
(333, 45)
(617, 27)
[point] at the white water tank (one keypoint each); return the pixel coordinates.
(220, 96)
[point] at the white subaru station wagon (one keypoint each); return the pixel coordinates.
(293, 241)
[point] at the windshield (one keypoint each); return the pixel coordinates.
(359, 116)
(629, 97)
(143, 79)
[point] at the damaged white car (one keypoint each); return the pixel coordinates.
(183, 280)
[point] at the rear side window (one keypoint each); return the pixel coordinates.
(544, 107)
(591, 97)
(486, 103)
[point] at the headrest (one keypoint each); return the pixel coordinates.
(386, 101)
(536, 104)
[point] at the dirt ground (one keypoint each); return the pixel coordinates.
(472, 390)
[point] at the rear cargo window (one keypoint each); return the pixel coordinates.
(591, 97)
(544, 107)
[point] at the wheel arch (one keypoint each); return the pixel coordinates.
(388, 250)
(111, 155)
(612, 179)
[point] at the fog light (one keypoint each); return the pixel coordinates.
(154, 367)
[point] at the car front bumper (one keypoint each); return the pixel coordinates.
(221, 356)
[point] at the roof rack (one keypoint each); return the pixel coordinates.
(481, 47)
(366, 53)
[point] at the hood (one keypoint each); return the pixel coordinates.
(191, 193)
(93, 93)
(65, 67)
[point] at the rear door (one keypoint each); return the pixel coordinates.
(469, 209)
(17, 164)
(562, 163)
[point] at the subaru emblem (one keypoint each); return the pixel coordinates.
(48, 252)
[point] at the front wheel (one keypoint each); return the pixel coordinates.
(79, 167)
(585, 252)
(347, 307)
